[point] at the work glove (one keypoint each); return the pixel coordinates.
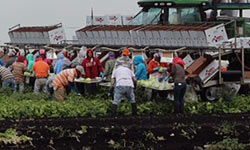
(102, 75)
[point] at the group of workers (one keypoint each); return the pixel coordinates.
(123, 73)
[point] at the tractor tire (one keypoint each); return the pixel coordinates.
(206, 95)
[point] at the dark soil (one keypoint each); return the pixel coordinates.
(177, 132)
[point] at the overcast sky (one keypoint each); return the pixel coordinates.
(72, 13)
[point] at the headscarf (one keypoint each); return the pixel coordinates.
(179, 61)
(111, 55)
(20, 59)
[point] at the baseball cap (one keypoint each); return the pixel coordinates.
(80, 69)
(125, 52)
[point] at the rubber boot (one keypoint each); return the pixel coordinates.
(114, 110)
(134, 109)
(181, 109)
(177, 109)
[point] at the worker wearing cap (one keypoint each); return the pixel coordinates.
(41, 70)
(124, 60)
(123, 82)
(66, 79)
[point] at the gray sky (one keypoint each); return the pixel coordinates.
(72, 13)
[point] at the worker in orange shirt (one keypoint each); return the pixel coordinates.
(66, 79)
(154, 65)
(41, 70)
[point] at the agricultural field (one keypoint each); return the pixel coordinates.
(31, 121)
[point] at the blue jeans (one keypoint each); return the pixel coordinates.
(19, 85)
(9, 83)
(123, 92)
(179, 93)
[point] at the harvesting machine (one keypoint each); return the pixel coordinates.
(208, 34)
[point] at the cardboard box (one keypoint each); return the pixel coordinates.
(167, 57)
(216, 36)
(188, 60)
(209, 71)
(240, 42)
(198, 65)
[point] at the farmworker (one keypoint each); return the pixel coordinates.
(59, 64)
(178, 74)
(72, 55)
(42, 53)
(79, 59)
(125, 82)
(66, 79)
(154, 65)
(49, 86)
(66, 63)
(109, 66)
(92, 66)
(12, 58)
(18, 69)
(30, 59)
(124, 60)
(7, 78)
(141, 70)
(93, 69)
(41, 70)
(66, 54)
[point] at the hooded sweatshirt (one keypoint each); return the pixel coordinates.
(141, 71)
(30, 59)
(92, 66)
(59, 64)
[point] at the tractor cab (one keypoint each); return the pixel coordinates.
(164, 12)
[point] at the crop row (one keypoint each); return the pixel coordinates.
(28, 105)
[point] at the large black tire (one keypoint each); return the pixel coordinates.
(207, 96)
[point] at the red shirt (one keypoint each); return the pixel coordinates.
(92, 69)
(154, 64)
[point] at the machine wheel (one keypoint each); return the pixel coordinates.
(207, 95)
